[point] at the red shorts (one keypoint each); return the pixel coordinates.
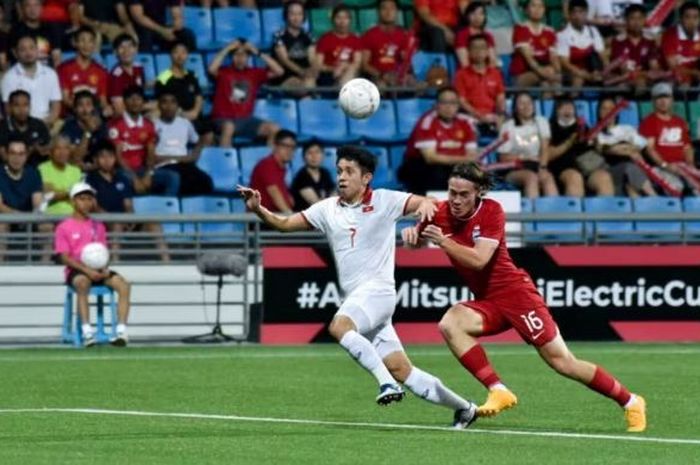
(529, 316)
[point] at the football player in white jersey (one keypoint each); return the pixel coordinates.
(360, 225)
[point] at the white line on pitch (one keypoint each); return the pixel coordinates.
(350, 424)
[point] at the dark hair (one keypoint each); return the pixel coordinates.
(179, 43)
(122, 38)
(472, 171)
(105, 145)
(22, 37)
(514, 111)
(600, 105)
(19, 93)
(634, 8)
(476, 37)
(15, 138)
(288, 5)
(473, 6)
(339, 8)
(133, 90)
(83, 30)
(578, 4)
(166, 90)
(284, 134)
(687, 6)
(560, 102)
(395, 2)
(444, 89)
(308, 145)
(83, 94)
(367, 161)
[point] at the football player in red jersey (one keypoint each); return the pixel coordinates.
(470, 229)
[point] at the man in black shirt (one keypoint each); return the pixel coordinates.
(313, 182)
(293, 48)
(109, 18)
(19, 125)
(149, 17)
(48, 38)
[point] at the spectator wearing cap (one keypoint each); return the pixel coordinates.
(72, 236)
(46, 37)
(126, 73)
(85, 128)
(269, 174)
(59, 176)
(150, 19)
(20, 125)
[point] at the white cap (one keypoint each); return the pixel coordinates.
(81, 187)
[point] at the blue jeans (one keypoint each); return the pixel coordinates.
(166, 182)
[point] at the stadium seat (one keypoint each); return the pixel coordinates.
(694, 119)
(423, 61)
(320, 21)
(157, 205)
(583, 110)
(692, 228)
(380, 127)
(498, 16)
(272, 21)
(195, 63)
(369, 17)
(202, 205)
(663, 231)
(222, 165)
(250, 156)
(505, 68)
(408, 112)
(383, 175)
(396, 153)
(72, 332)
(201, 22)
(281, 111)
(324, 120)
(528, 227)
(629, 115)
(556, 18)
(237, 23)
(558, 231)
(329, 161)
(359, 3)
(609, 230)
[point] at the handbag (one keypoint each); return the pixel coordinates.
(589, 161)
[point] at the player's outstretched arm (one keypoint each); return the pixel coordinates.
(423, 207)
(295, 222)
(476, 257)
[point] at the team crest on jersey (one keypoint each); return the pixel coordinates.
(367, 209)
(476, 233)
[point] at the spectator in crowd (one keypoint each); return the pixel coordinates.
(58, 176)
(109, 18)
(313, 182)
(680, 45)
(268, 175)
(294, 49)
(20, 191)
(134, 137)
(475, 24)
(114, 193)
(59, 16)
(179, 147)
(236, 88)
(573, 161)
(40, 81)
(528, 146)
(47, 39)
(85, 129)
(126, 73)
(441, 138)
(385, 49)
(634, 58)
(535, 61)
(580, 48)
(185, 85)
(72, 235)
(437, 21)
(83, 73)
(4, 41)
(339, 52)
(149, 17)
(607, 15)
(19, 125)
(482, 93)
(621, 145)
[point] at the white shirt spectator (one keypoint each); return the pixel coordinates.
(173, 137)
(609, 9)
(572, 43)
(525, 140)
(43, 88)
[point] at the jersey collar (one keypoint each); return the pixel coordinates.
(366, 199)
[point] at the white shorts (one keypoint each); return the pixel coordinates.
(371, 310)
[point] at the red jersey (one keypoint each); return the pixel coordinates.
(541, 45)
(635, 57)
(120, 79)
(386, 47)
(675, 42)
(447, 139)
(445, 11)
(670, 136)
(74, 78)
(480, 90)
(235, 92)
(132, 138)
(268, 172)
(487, 223)
(464, 34)
(336, 49)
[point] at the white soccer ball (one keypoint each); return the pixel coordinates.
(95, 255)
(359, 98)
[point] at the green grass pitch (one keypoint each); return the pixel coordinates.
(238, 405)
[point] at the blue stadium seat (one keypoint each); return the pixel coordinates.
(505, 68)
(396, 153)
(201, 22)
(528, 227)
(383, 175)
(629, 115)
(157, 205)
(204, 204)
(329, 161)
(195, 63)
(408, 112)
(237, 23)
(583, 109)
(250, 156)
(272, 21)
(558, 231)
(692, 228)
(281, 111)
(423, 61)
(324, 120)
(222, 165)
(380, 127)
(663, 231)
(610, 230)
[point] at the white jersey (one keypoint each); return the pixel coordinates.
(362, 236)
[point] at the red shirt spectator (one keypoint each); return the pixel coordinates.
(636, 57)
(671, 136)
(447, 139)
(445, 11)
(270, 172)
(480, 89)
(56, 11)
(235, 92)
(676, 43)
(132, 139)
(386, 47)
(336, 49)
(120, 79)
(541, 43)
(463, 35)
(74, 78)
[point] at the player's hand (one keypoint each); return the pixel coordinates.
(426, 210)
(434, 234)
(410, 237)
(251, 197)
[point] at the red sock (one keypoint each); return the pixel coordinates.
(604, 383)
(475, 361)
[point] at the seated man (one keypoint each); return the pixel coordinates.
(58, 176)
(30, 23)
(313, 182)
(72, 235)
(339, 51)
(19, 124)
(150, 19)
(268, 175)
(85, 129)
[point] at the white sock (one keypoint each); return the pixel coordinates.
(87, 329)
(430, 388)
(631, 402)
(121, 328)
(366, 355)
(498, 386)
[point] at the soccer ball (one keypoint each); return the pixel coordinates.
(95, 255)
(359, 98)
